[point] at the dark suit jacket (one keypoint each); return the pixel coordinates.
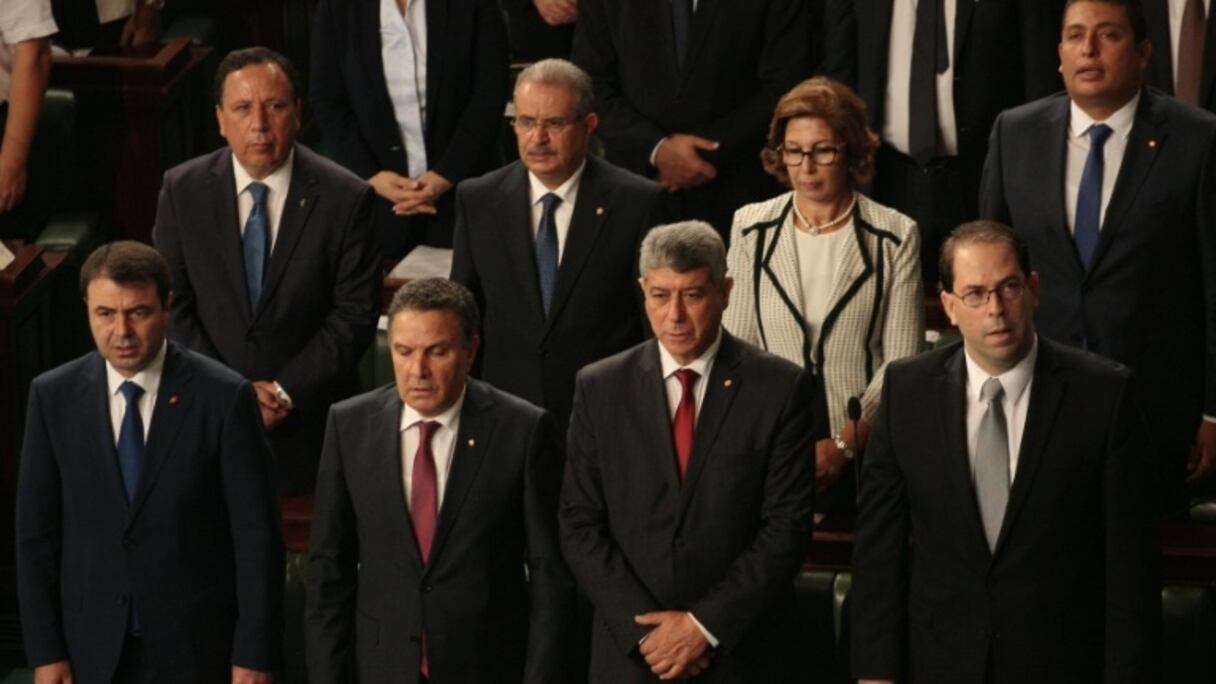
(596, 308)
(1004, 55)
(1160, 72)
(1071, 593)
(494, 599)
(726, 543)
(199, 551)
(531, 38)
(1148, 299)
(466, 90)
(320, 298)
(742, 56)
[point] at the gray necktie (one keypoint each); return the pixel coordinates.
(992, 461)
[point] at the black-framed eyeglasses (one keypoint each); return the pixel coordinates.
(1009, 291)
(823, 154)
(527, 124)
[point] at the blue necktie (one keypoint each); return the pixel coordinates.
(681, 24)
(546, 250)
(1089, 197)
(256, 242)
(131, 439)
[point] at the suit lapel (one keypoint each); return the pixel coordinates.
(472, 442)
(302, 196)
(699, 32)
(1147, 137)
(951, 391)
(1055, 146)
(173, 402)
(227, 225)
(366, 35)
(515, 226)
(95, 391)
(436, 81)
(719, 395)
(590, 213)
(1046, 393)
(654, 424)
(385, 477)
(962, 29)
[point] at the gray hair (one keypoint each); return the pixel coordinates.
(438, 294)
(683, 247)
(559, 72)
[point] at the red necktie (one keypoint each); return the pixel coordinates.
(423, 506)
(686, 414)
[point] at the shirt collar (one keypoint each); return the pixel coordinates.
(699, 364)
(148, 378)
(411, 417)
(537, 189)
(278, 181)
(1013, 381)
(1120, 122)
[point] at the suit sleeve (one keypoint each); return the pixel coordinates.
(880, 554)
(759, 576)
(328, 93)
(39, 538)
(1205, 224)
(602, 571)
(992, 184)
(740, 315)
(1133, 582)
(167, 233)
(257, 537)
(840, 42)
(903, 327)
(329, 357)
(550, 583)
(479, 124)
(333, 557)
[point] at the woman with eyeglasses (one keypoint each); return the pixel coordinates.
(824, 276)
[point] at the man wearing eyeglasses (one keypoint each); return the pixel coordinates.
(1016, 465)
(548, 245)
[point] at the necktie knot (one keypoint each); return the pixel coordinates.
(1098, 133)
(426, 430)
(258, 190)
(130, 391)
(992, 391)
(688, 378)
(550, 202)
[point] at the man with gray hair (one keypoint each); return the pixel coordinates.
(547, 245)
(687, 503)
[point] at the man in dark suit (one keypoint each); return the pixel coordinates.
(549, 244)
(275, 269)
(148, 542)
(1049, 579)
(687, 504)
(410, 98)
(932, 94)
(1112, 186)
(1183, 61)
(434, 551)
(687, 100)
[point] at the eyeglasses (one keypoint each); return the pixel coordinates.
(527, 124)
(822, 154)
(1009, 291)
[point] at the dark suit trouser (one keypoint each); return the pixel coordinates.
(135, 665)
(933, 196)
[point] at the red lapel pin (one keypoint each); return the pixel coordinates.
(173, 400)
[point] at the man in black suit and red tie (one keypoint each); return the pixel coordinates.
(687, 504)
(1016, 466)
(275, 269)
(434, 553)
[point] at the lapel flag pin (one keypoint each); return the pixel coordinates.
(599, 211)
(173, 400)
(1152, 143)
(726, 383)
(472, 442)
(303, 201)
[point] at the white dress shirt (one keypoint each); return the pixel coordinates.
(403, 52)
(819, 256)
(568, 191)
(895, 125)
(1176, 9)
(277, 184)
(443, 446)
(113, 10)
(1016, 381)
(21, 20)
(1079, 124)
(148, 379)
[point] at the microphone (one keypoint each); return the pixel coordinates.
(854, 410)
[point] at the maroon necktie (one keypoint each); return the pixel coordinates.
(1190, 52)
(423, 506)
(686, 416)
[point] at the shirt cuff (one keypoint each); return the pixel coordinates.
(713, 640)
(1209, 419)
(654, 153)
(283, 396)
